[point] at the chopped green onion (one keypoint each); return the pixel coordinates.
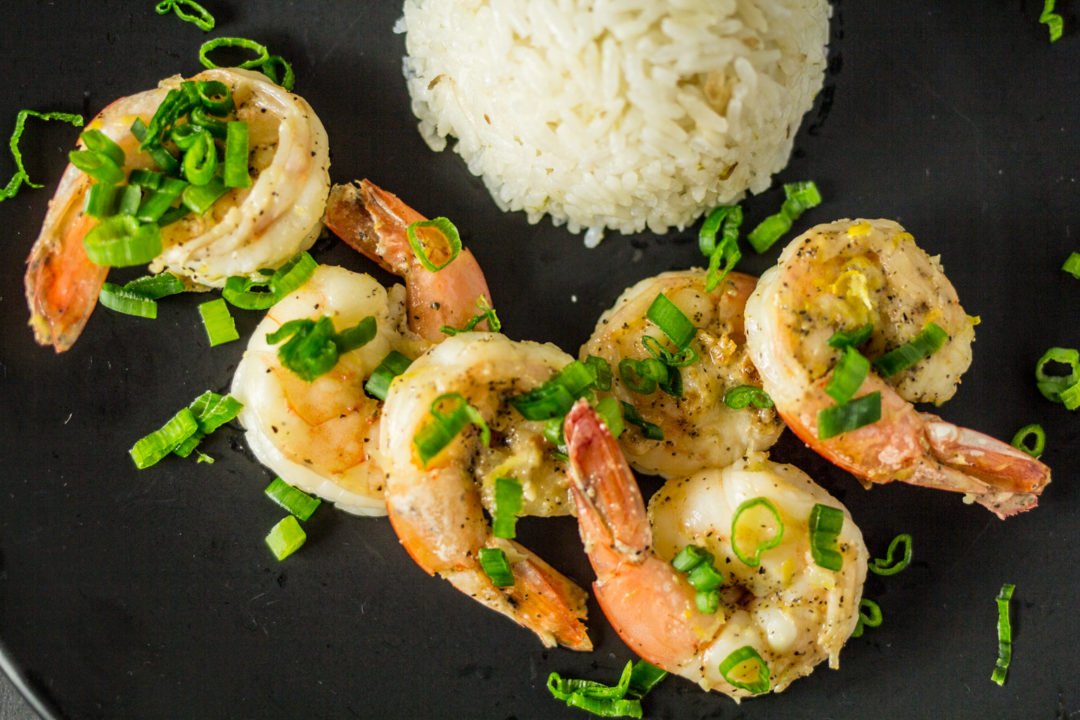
(130, 197)
(1052, 386)
(620, 700)
(201, 117)
(1072, 265)
(101, 200)
(235, 172)
(888, 566)
(610, 411)
(508, 506)
(215, 97)
(852, 415)
(219, 323)
(442, 232)
(20, 175)
(642, 376)
(155, 287)
(734, 674)
(854, 338)
(495, 566)
(1052, 21)
(870, 618)
(161, 157)
(293, 274)
(651, 431)
(389, 368)
(286, 537)
(683, 358)
(444, 427)
(644, 677)
(198, 15)
(186, 135)
(727, 250)
(211, 411)
(705, 577)
(124, 301)
(297, 502)
(601, 372)
(1070, 396)
(1004, 632)
(149, 179)
(848, 375)
(357, 336)
(1031, 439)
(824, 528)
(707, 601)
(742, 396)
(199, 198)
(486, 313)
(155, 446)
(121, 241)
(671, 320)
(98, 142)
(309, 350)
(555, 396)
(921, 346)
(270, 69)
(200, 161)
(262, 54)
(754, 560)
(97, 165)
(799, 197)
(159, 201)
(690, 557)
(241, 292)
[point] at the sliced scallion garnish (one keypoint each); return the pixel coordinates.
(824, 527)
(443, 427)
(1031, 439)
(155, 446)
(927, 342)
(1004, 633)
(853, 338)
(651, 431)
(388, 368)
(620, 700)
(101, 200)
(889, 566)
(723, 255)
(508, 506)
(1072, 265)
(750, 525)
(158, 201)
(852, 415)
(312, 347)
(235, 169)
(219, 323)
(601, 372)
(495, 565)
(742, 396)
(296, 501)
(610, 411)
(20, 177)
(671, 320)
(848, 375)
(155, 287)
(187, 10)
(555, 396)
(745, 669)
(121, 241)
(437, 234)
(97, 165)
(1052, 386)
(486, 312)
(869, 616)
(98, 142)
(200, 198)
(799, 197)
(211, 411)
(286, 537)
(124, 301)
(1052, 20)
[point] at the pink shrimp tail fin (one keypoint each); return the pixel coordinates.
(1003, 479)
(375, 223)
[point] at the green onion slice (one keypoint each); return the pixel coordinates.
(215, 97)
(854, 338)
(1031, 439)
(261, 53)
(620, 700)
(889, 566)
(651, 431)
(155, 287)
(97, 165)
(1072, 265)
(296, 501)
(707, 601)
(745, 669)
(486, 313)
(852, 415)
(690, 557)
(200, 198)
(219, 323)
(848, 375)
(150, 449)
(98, 142)
(1070, 396)
(799, 197)
(1053, 22)
(824, 527)
(444, 427)
(601, 371)
(188, 10)
(200, 160)
(508, 505)
(235, 172)
(130, 198)
(161, 157)
(1004, 632)
(102, 200)
(293, 274)
(743, 524)
(869, 616)
(211, 412)
(1051, 386)
(644, 677)
(270, 69)
(555, 396)
(684, 357)
(723, 255)
(610, 411)
(124, 301)
(921, 346)
(438, 234)
(496, 566)
(357, 336)
(159, 201)
(20, 177)
(286, 537)
(388, 368)
(120, 241)
(642, 376)
(309, 350)
(742, 396)
(705, 577)
(671, 320)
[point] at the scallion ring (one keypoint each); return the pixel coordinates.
(20, 177)
(745, 669)
(297, 502)
(854, 338)
(1051, 386)
(743, 396)
(667, 316)
(651, 431)
(799, 197)
(124, 301)
(495, 565)
(443, 427)
(286, 537)
(869, 616)
(218, 322)
(852, 415)
(388, 368)
(848, 375)
(1004, 633)
(198, 15)
(824, 527)
(121, 241)
(889, 566)
(508, 505)
(1031, 439)
(440, 237)
(747, 525)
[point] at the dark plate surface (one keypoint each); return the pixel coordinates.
(127, 594)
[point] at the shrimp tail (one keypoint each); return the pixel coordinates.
(1002, 478)
(62, 284)
(651, 609)
(375, 223)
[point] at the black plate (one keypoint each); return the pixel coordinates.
(151, 594)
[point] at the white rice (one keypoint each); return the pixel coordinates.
(615, 113)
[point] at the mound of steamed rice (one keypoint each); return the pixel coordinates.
(615, 113)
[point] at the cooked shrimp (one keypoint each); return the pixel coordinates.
(375, 222)
(700, 431)
(437, 510)
(246, 230)
(322, 436)
(790, 611)
(843, 275)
